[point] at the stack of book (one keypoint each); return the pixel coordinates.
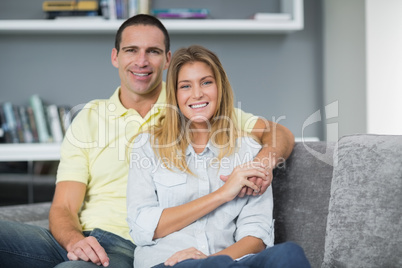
(124, 9)
(66, 9)
(181, 13)
(33, 123)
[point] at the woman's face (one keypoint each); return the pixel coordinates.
(197, 93)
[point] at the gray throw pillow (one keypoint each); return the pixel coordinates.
(364, 227)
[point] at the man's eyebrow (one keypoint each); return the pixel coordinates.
(155, 48)
(147, 49)
(129, 47)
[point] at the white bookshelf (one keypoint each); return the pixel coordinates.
(177, 26)
(29, 152)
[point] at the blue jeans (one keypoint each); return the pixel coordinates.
(283, 255)
(23, 245)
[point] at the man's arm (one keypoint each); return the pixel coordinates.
(65, 225)
(277, 144)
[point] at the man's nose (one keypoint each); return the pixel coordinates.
(142, 59)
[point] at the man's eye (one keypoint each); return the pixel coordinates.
(154, 51)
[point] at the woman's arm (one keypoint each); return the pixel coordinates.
(246, 245)
(176, 218)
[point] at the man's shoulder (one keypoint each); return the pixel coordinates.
(93, 106)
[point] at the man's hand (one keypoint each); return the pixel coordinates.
(190, 253)
(261, 183)
(252, 179)
(88, 249)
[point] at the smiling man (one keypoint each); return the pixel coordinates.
(87, 218)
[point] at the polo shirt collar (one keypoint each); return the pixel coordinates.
(117, 108)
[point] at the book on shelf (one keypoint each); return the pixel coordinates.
(54, 9)
(11, 122)
(5, 137)
(54, 123)
(18, 124)
(123, 9)
(40, 118)
(33, 123)
(26, 127)
(65, 118)
(181, 13)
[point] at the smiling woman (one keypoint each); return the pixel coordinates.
(197, 93)
(194, 214)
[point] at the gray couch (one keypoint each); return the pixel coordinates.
(340, 201)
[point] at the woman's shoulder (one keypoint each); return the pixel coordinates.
(142, 141)
(247, 144)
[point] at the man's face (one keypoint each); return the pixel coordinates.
(141, 59)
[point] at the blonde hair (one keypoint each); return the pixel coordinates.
(169, 137)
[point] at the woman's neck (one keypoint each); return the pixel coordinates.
(199, 139)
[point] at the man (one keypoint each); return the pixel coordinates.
(87, 218)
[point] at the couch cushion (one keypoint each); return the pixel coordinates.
(364, 221)
(301, 191)
(35, 214)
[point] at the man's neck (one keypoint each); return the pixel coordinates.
(141, 103)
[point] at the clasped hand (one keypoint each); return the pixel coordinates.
(251, 178)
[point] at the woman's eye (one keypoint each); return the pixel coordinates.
(184, 86)
(207, 83)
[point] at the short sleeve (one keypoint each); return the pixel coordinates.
(74, 163)
(245, 121)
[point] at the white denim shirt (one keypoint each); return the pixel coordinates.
(152, 187)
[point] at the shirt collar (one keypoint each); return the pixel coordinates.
(117, 108)
(208, 148)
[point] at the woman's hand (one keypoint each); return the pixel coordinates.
(190, 253)
(239, 178)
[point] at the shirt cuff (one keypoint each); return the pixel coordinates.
(142, 229)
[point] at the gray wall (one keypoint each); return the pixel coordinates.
(345, 65)
(273, 75)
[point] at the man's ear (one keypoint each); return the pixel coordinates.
(114, 58)
(168, 58)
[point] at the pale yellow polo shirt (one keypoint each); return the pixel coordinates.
(94, 152)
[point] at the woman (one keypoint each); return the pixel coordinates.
(180, 212)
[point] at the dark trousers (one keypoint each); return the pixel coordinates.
(283, 255)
